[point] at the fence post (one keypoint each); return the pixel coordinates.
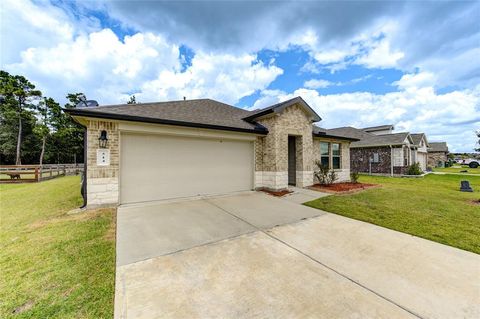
(36, 173)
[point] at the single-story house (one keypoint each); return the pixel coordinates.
(437, 154)
(155, 151)
(379, 151)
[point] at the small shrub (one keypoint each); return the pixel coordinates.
(414, 169)
(332, 177)
(354, 177)
(324, 175)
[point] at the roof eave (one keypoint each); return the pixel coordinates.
(351, 139)
(86, 113)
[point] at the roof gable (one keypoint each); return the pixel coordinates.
(279, 107)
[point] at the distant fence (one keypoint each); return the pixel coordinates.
(36, 173)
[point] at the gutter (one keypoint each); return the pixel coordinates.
(259, 129)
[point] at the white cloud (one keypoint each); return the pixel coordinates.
(380, 55)
(451, 117)
(108, 69)
(317, 84)
(415, 80)
(224, 77)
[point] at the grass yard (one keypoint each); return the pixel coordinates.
(431, 207)
(458, 169)
(54, 265)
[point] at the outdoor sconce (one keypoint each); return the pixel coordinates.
(102, 140)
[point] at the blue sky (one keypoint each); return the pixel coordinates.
(411, 64)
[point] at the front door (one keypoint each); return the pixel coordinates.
(292, 161)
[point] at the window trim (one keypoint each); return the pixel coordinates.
(330, 155)
(335, 156)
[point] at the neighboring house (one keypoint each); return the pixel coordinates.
(420, 153)
(379, 151)
(379, 130)
(186, 148)
(437, 154)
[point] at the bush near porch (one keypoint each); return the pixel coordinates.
(431, 207)
(54, 265)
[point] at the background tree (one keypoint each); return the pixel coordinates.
(18, 96)
(478, 143)
(47, 112)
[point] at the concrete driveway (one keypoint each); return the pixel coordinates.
(253, 255)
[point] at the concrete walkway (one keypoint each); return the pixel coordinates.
(252, 255)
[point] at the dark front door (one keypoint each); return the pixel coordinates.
(292, 161)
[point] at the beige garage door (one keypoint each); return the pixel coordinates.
(155, 167)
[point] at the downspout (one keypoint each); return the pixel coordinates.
(84, 179)
(391, 160)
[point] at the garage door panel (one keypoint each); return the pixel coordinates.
(155, 167)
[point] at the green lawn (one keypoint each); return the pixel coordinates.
(431, 207)
(457, 169)
(54, 265)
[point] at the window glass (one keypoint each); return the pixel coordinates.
(335, 149)
(336, 162)
(336, 159)
(324, 153)
(324, 148)
(325, 161)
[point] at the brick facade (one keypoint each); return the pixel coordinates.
(360, 158)
(271, 160)
(102, 181)
(271, 151)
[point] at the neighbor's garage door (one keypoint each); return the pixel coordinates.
(422, 159)
(155, 167)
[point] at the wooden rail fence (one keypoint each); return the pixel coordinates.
(36, 173)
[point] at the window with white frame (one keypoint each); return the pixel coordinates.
(325, 153)
(336, 156)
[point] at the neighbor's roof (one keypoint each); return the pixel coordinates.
(417, 137)
(378, 128)
(438, 147)
(280, 107)
(322, 132)
(202, 113)
(369, 139)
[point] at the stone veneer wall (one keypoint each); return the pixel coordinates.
(271, 160)
(343, 173)
(434, 158)
(102, 181)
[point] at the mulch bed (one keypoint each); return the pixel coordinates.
(342, 188)
(276, 193)
(475, 202)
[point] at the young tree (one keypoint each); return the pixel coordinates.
(132, 100)
(18, 95)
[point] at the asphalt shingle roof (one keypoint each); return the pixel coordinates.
(369, 139)
(438, 147)
(202, 111)
(417, 137)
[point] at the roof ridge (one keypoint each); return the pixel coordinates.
(150, 103)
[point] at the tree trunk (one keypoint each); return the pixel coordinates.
(43, 150)
(18, 160)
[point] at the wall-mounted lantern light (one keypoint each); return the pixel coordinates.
(102, 140)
